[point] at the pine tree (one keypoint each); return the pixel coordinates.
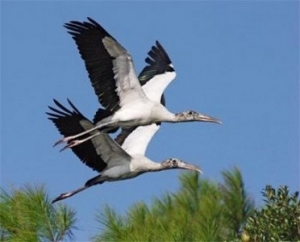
(26, 214)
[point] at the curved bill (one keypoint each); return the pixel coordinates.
(206, 118)
(189, 167)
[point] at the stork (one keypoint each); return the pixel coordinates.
(158, 71)
(103, 154)
(112, 74)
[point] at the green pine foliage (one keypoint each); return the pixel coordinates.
(278, 219)
(26, 214)
(201, 210)
(238, 206)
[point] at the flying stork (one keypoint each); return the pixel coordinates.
(157, 69)
(116, 160)
(113, 77)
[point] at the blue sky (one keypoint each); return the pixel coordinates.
(235, 60)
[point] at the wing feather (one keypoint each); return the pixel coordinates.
(110, 151)
(98, 153)
(98, 62)
(72, 122)
(128, 86)
(109, 65)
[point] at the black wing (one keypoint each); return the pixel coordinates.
(158, 63)
(88, 37)
(73, 122)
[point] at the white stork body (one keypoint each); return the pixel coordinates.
(113, 76)
(105, 155)
(131, 115)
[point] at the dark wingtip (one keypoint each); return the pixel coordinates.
(158, 62)
(92, 21)
(159, 45)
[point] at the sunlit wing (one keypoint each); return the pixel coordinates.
(128, 87)
(158, 74)
(136, 139)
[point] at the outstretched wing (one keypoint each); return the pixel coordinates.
(109, 65)
(70, 122)
(158, 74)
(135, 140)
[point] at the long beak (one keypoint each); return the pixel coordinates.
(206, 118)
(190, 167)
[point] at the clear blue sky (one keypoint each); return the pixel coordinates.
(238, 61)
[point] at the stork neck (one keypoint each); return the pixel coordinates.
(149, 165)
(165, 115)
(155, 167)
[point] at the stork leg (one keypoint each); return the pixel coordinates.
(99, 179)
(79, 141)
(69, 194)
(68, 138)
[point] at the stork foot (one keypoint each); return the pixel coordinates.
(61, 197)
(63, 140)
(71, 144)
